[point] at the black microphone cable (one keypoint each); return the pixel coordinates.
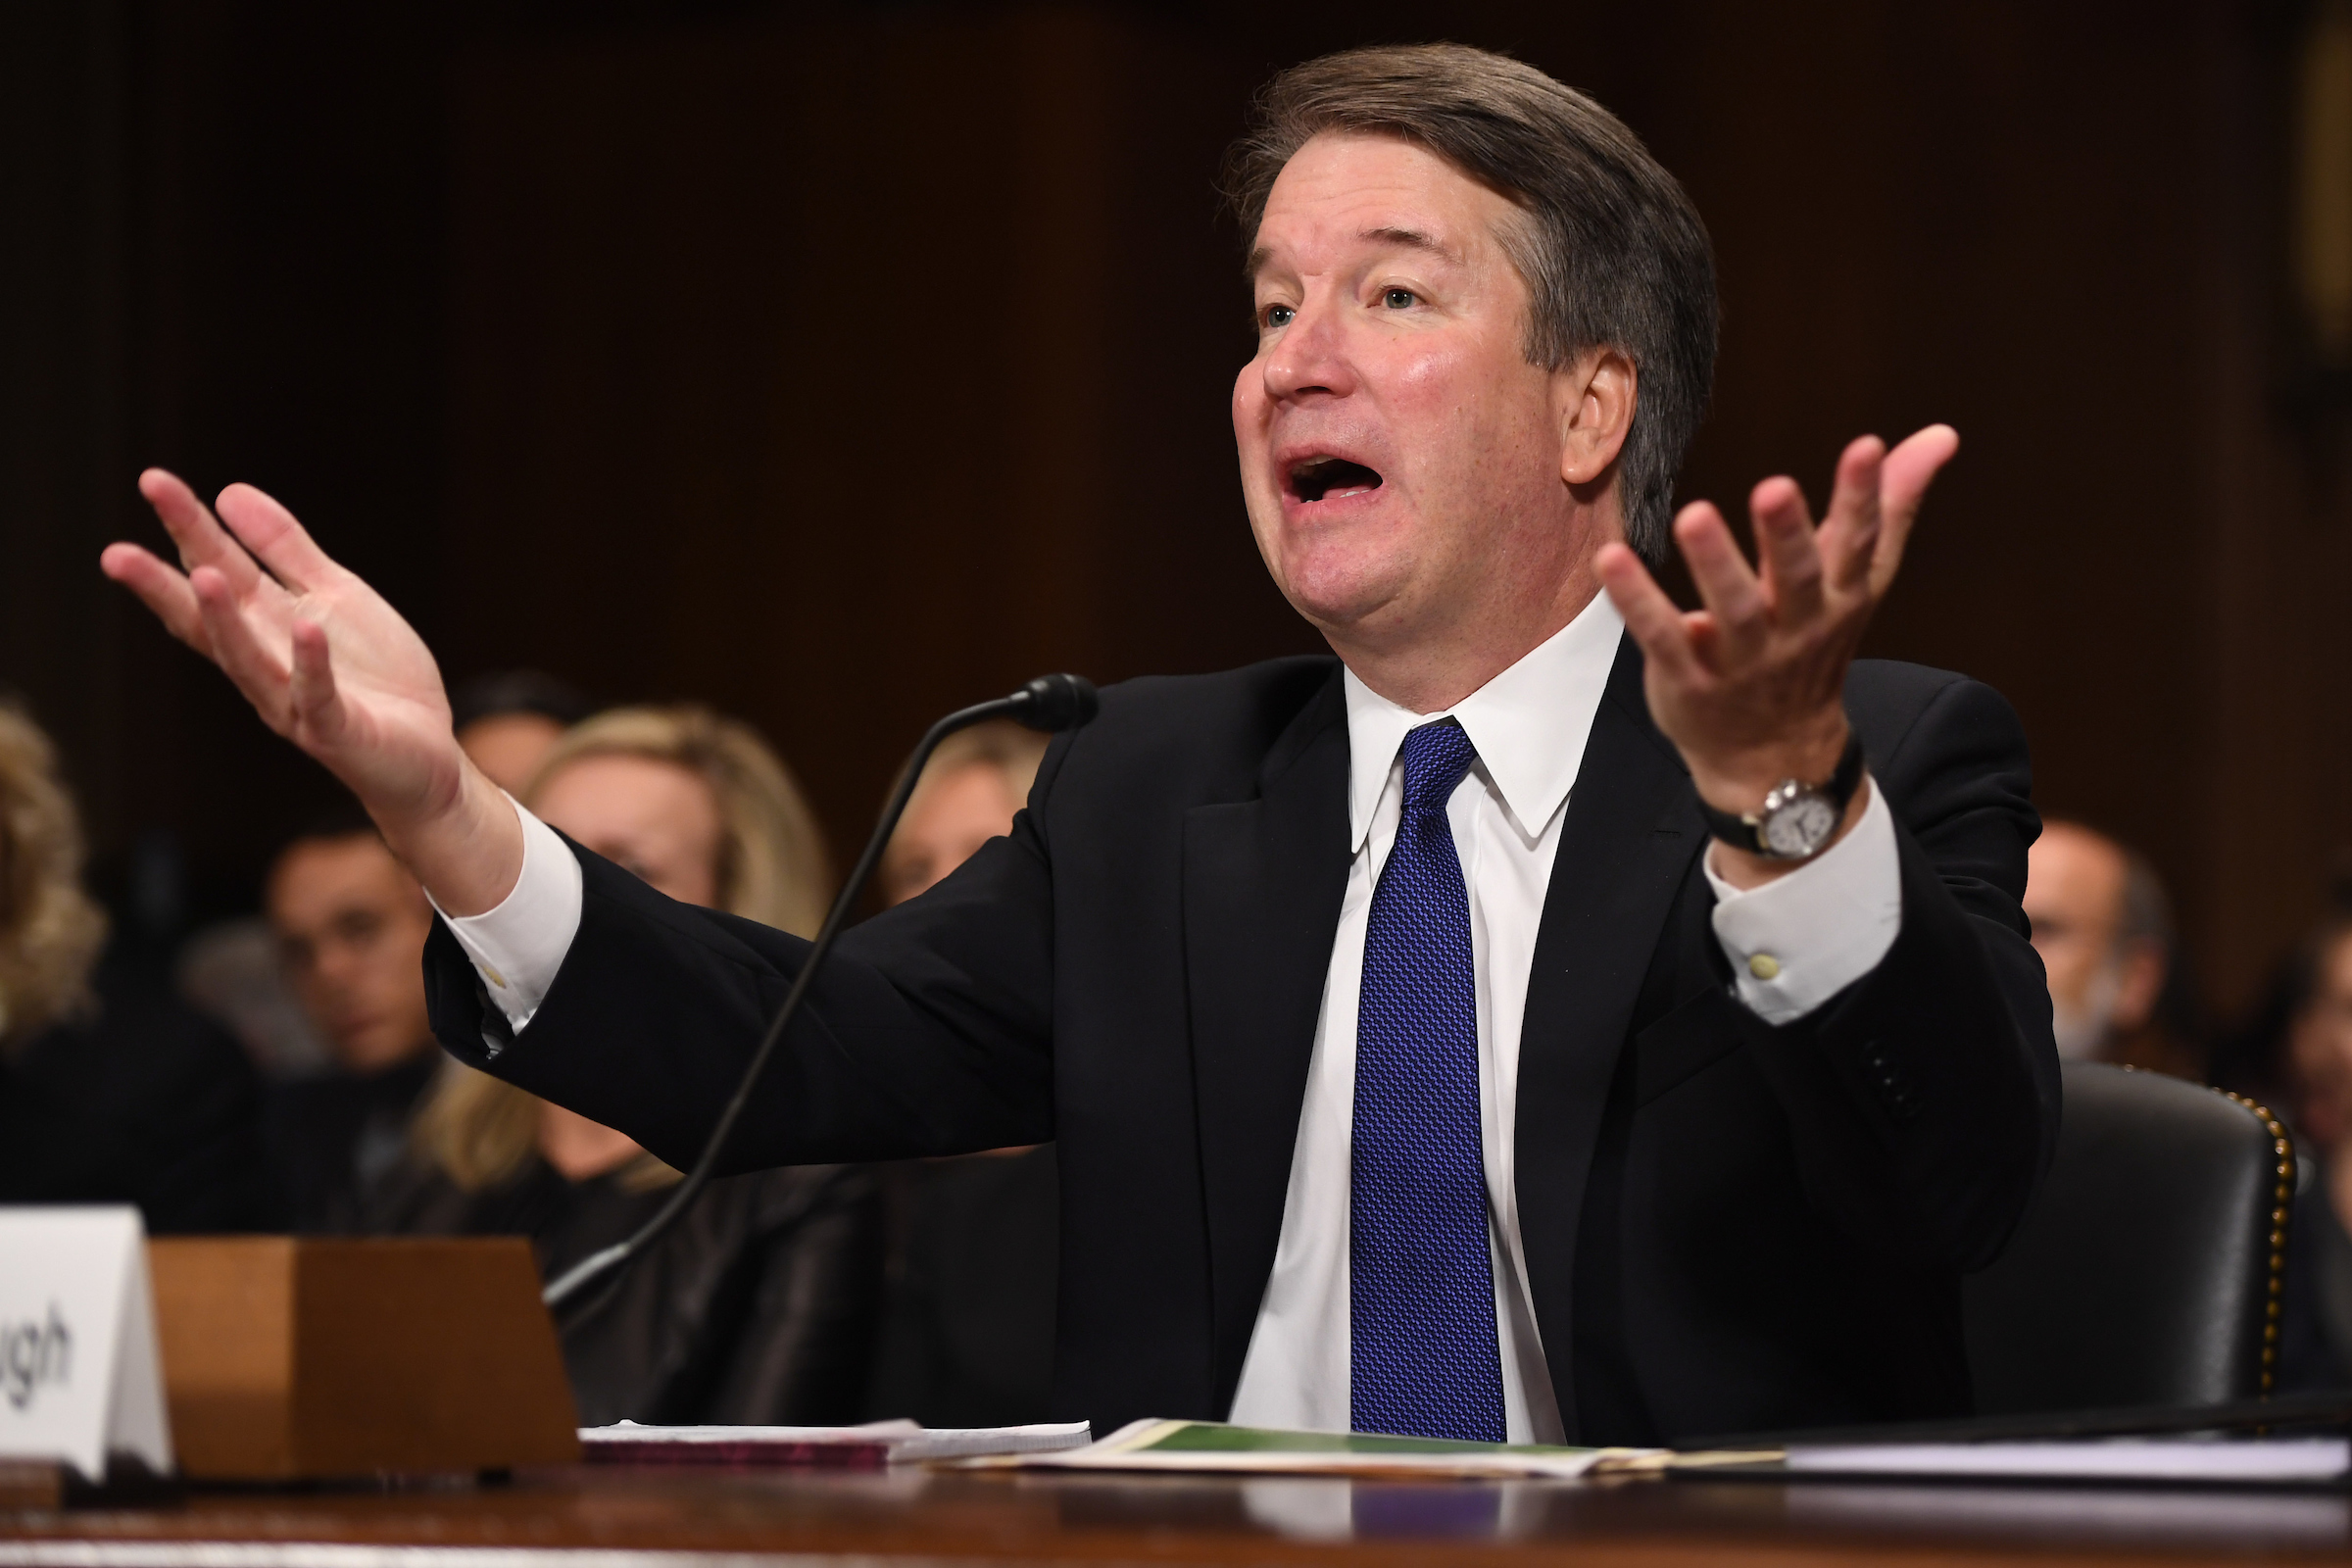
(1049, 702)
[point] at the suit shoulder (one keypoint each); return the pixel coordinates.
(1195, 725)
(1887, 698)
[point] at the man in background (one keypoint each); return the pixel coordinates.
(351, 924)
(967, 1324)
(2104, 929)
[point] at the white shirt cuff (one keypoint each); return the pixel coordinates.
(517, 947)
(1800, 939)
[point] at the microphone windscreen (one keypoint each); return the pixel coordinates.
(1059, 703)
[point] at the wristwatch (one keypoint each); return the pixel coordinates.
(1796, 818)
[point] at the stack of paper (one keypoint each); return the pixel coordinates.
(2234, 1462)
(867, 1448)
(1209, 1445)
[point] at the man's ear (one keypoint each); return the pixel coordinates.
(1594, 400)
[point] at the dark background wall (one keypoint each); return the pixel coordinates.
(839, 364)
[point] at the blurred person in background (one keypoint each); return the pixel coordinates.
(967, 1325)
(759, 1305)
(111, 1090)
(2104, 929)
(2316, 1335)
(509, 720)
(349, 923)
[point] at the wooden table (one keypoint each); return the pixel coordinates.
(613, 1518)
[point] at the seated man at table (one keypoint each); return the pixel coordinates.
(1556, 1015)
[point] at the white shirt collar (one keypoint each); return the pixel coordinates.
(1530, 723)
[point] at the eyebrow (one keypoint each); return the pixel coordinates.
(1411, 239)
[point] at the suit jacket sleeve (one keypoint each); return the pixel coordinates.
(929, 1031)
(1925, 1097)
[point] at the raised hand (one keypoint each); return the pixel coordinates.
(332, 668)
(1750, 687)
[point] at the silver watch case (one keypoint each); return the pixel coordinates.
(1795, 820)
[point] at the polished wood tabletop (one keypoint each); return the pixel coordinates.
(619, 1518)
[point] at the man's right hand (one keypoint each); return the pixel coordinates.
(334, 669)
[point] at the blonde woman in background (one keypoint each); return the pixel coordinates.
(111, 1088)
(757, 1307)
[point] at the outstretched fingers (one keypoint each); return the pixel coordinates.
(1851, 531)
(1734, 595)
(1909, 469)
(236, 646)
(161, 589)
(1657, 627)
(196, 532)
(315, 706)
(1785, 550)
(264, 525)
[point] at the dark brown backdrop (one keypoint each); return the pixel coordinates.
(840, 364)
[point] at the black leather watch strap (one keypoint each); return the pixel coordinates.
(1747, 832)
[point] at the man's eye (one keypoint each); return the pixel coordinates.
(1398, 299)
(1280, 314)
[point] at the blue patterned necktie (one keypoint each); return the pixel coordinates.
(1421, 1285)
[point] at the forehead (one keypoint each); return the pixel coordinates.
(611, 788)
(335, 871)
(2069, 864)
(1341, 193)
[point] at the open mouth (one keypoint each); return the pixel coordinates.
(1329, 478)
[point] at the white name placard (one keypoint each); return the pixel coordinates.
(80, 1376)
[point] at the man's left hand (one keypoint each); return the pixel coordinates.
(1750, 688)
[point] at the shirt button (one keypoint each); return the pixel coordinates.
(1764, 966)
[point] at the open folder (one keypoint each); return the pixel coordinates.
(1197, 1447)
(862, 1447)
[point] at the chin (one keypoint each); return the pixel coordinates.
(1338, 596)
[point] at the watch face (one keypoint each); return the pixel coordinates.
(1801, 826)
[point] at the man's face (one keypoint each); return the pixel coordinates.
(2075, 898)
(350, 923)
(1401, 457)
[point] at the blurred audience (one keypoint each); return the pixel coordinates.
(233, 972)
(509, 721)
(759, 1307)
(111, 1088)
(2316, 1336)
(349, 923)
(967, 1327)
(2104, 929)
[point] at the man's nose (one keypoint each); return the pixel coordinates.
(1311, 356)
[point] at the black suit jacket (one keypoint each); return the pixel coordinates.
(1727, 1225)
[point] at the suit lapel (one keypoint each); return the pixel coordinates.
(1631, 829)
(1262, 884)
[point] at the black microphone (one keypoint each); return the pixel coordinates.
(1049, 702)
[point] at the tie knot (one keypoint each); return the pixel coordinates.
(1435, 756)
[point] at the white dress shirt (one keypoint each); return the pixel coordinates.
(1817, 930)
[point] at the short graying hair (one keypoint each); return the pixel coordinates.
(1612, 251)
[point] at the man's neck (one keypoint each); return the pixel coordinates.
(1431, 673)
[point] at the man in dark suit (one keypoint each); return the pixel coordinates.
(1557, 1016)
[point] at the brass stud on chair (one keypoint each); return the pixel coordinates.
(2284, 1146)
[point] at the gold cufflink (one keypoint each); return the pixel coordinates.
(499, 980)
(1764, 966)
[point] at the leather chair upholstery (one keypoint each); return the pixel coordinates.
(2149, 1270)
